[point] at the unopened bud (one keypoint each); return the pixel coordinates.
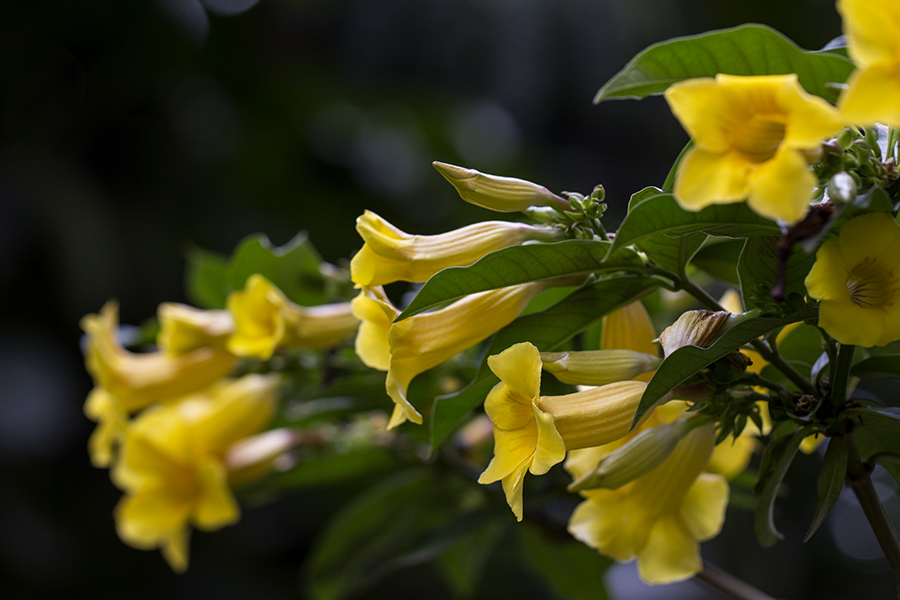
(842, 188)
(253, 457)
(598, 367)
(639, 456)
(501, 194)
(693, 328)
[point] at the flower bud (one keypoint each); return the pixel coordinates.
(693, 328)
(598, 367)
(842, 188)
(501, 194)
(639, 456)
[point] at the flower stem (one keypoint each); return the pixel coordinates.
(730, 585)
(861, 483)
(841, 375)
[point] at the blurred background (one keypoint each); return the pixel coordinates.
(131, 132)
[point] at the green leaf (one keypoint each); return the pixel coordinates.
(294, 267)
(546, 329)
(758, 269)
(719, 258)
(570, 569)
(206, 278)
(744, 50)
(877, 367)
(672, 253)
(830, 483)
(661, 215)
(690, 360)
(877, 431)
(463, 563)
(521, 264)
(764, 527)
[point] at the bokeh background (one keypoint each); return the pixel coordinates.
(131, 132)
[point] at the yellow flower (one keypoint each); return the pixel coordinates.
(598, 367)
(376, 315)
(424, 341)
(172, 467)
(872, 28)
(856, 279)
(533, 432)
(390, 255)
(265, 320)
(659, 518)
(501, 194)
(127, 382)
(183, 329)
(750, 134)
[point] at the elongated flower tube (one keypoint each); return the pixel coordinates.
(533, 432)
(500, 194)
(637, 457)
(265, 320)
(426, 340)
(661, 517)
(855, 278)
(172, 467)
(598, 367)
(127, 382)
(183, 329)
(872, 28)
(750, 134)
(390, 254)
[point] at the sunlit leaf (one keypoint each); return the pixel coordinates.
(661, 215)
(744, 50)
(294, 267)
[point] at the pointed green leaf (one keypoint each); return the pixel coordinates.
(546, 329)
(672, 253)
(766, 533)
(294, 267)
(661, 215)
(830, 483)
(719, 258)
(520, 264)
(690, 360)
(758, 269)
(877, 367)
(206, 278)
(744, 50)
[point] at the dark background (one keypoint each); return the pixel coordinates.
(132, 131)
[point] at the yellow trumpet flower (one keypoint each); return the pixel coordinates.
(659, 518)
(265, 320)
(390, 254)
(872, 28)
(183, 329)
(127, 382)
(533, 432)
(172, 467)
(855, 277)
(423, 341)
(750, 134)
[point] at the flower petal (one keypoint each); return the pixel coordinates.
(550, 449)
(868, 236)
(782, 186)
(873, 95)
(706, 178)
(827, 280)
(703, 508)
(671, 554)
(871, 27)
(215, 507)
